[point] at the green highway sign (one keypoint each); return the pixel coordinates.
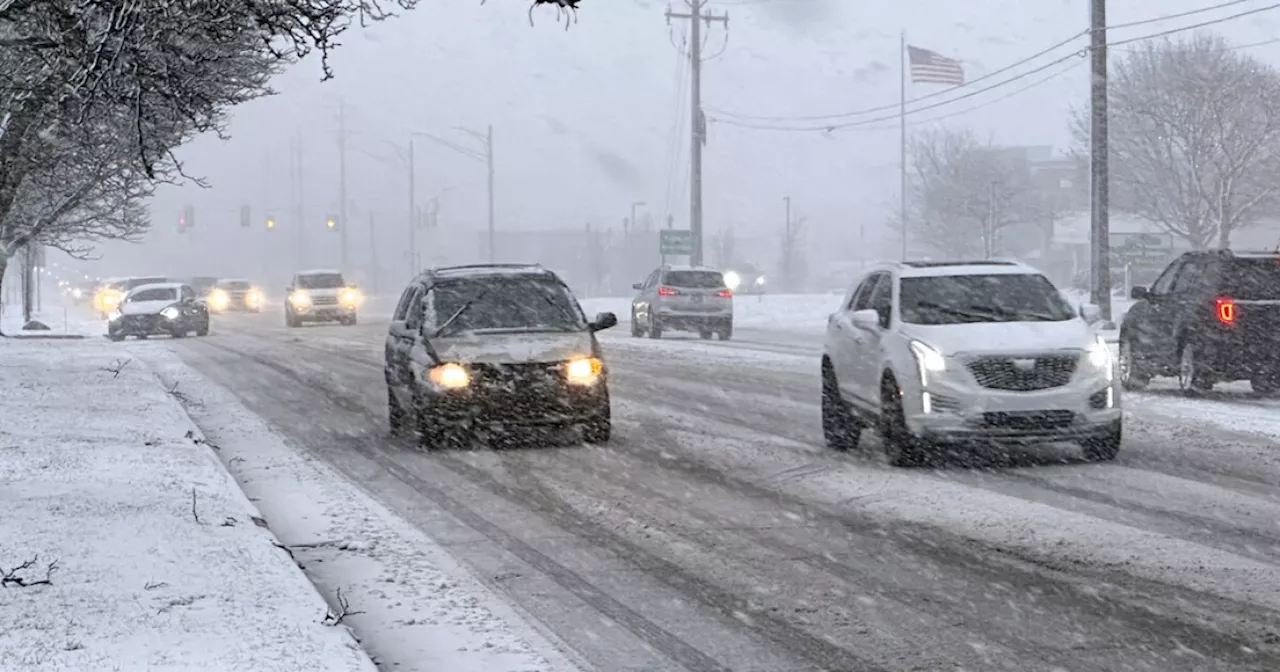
(675, 242)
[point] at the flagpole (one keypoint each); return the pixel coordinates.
(902, 119)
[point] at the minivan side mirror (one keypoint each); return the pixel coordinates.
(604, 321)
(1139, 293)
(638, 285)
(866, 318)
(1090, 313)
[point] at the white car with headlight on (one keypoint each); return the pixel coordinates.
(934, 354)
(321, 296)
(473, 347)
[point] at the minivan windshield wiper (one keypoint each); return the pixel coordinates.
(461, 309)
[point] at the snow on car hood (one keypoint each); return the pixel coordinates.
(1003, 337)
(513, 347)
(144, 307)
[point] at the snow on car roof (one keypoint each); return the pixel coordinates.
(157, 285)
(489, 270)
(229, 280)
(321, 271)
(940, 269)
(685, 267)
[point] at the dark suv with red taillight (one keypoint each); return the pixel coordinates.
(1211, 317)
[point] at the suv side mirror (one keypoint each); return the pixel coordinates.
(867, 318)
(638, 285)
(1090, 313)
(1139, 293)
(288, 290)
(603, 321)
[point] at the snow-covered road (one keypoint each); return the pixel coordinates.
(717, 533)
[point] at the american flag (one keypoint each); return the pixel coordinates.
(930, 67)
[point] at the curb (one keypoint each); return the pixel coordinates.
(197, 436)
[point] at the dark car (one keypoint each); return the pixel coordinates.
(471, 346)
(1210, 317)
(169, 309)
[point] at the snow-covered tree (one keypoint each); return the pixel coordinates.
(95, 96)
(1194, 131)
(964, 193)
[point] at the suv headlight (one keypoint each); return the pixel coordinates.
(583, 370)
(300, 299)
(1100, 355)
(928, 360)
(449, 376)
(349, 297)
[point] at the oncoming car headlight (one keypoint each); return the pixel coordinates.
(349, 297)
(254, 298)
(1100, 355)
(583, 370)
(928, 360)
(170, 313)
(732, 280)
(219, 300)
(449, 376)
(300, 299)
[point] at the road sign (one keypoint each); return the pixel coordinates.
(672, 242)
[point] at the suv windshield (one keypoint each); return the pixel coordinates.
(962, 299)
(507, 304)
(157, 294)
(695, 279)
(321, 281)
(1255, 279)
(236, 285)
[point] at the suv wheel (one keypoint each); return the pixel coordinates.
(903, 448)
(839, 426)
(727, 332)
(706, 334)
(1103, 448)
(396, 416)
(655, 328)
(1132, 375)
(636, 331)
(1193, 379)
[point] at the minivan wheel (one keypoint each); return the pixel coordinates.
(840, 428)
(903, 448)
(395, 414)
(600, 427)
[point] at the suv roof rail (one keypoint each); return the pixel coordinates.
(941, 264)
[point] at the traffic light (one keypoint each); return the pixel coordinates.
(187, 219)
(244, 216)
(331, 223)
(271, 223)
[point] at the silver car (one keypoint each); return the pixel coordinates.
(683, 298)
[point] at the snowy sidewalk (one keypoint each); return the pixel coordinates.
(124, 543)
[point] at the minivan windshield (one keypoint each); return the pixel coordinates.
(961, 299)
(695, 279)
(506, 304)
(153, 294)
(321, 281)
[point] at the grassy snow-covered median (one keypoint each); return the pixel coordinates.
(124, 543)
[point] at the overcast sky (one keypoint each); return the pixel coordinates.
(584, 119)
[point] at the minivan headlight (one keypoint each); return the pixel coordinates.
(449, 376)
(584, 370)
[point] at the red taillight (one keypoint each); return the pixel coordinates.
(666, 291)
(1226, 310)
(724, 293)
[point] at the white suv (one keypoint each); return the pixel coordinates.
(939, 353)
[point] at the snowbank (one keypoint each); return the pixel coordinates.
(150, 551)
(421, 611)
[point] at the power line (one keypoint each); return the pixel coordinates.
(1078, 54)
(1043, 52)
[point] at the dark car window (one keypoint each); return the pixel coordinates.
(236, 286)
(321, 281)
(1190, 278)
(960, 299)
(507, 304)
(695, 279)
(1253, 279)
(156, 294)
